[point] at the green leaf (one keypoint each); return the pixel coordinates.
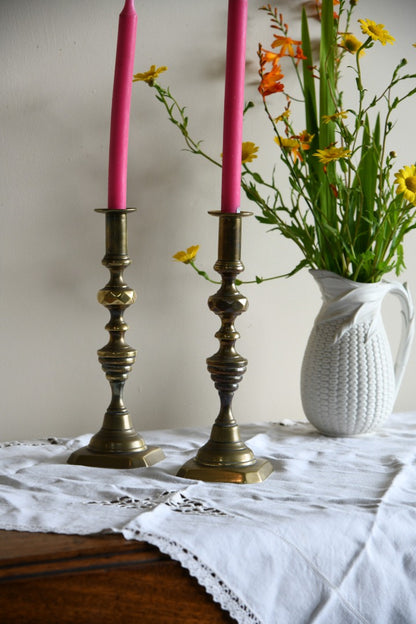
(327, 83)
(312, 125)
(302, 264)
(327, 89)
(400, 265)
(309, 80)
(366, 182)
(257, 177)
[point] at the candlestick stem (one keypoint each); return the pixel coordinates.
(117, 444)
(225, 457)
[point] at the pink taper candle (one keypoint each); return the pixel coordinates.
(120, 110)
(234, 105)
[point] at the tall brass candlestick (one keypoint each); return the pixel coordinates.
(117, 444)
(225, 458)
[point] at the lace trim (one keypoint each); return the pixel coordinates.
(45, 442)
(183, 504)
(214, 585)
(129, 502)
(176, 501)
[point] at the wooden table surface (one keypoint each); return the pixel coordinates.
(47, 578)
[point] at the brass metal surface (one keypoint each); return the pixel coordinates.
(117, 444)
(225, 457)
(256, 473)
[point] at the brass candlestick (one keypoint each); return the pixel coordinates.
(117, 444)
(225, 458)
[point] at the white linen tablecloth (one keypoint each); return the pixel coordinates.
(328, 538)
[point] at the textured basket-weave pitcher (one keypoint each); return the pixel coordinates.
(349, 382)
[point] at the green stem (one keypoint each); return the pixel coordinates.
(257, 280)
(202, 273)
(182, 123)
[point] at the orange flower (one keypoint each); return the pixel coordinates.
(306, 139)
(269, 57)
(299, 56)
(270, 82)
(318, 6)
(334, 190)
(286, 45)
(295, 144)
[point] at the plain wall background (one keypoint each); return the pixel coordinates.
(57, 64)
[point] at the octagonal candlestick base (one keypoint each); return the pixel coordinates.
(225, 457)
(117, 444)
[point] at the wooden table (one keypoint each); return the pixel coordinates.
(102, 579)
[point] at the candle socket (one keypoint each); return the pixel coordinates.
(225, 458)
(117, 444)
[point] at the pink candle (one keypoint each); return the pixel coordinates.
(120, 110)
(233, 105)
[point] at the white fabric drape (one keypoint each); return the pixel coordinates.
(329, 537)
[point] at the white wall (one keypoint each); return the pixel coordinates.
(57, 60)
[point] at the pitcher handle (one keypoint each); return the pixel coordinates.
(407, 332)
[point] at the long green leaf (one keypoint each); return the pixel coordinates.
(308, 80)
(327, 107)
(327, 73)
(366, 180)
(310, 108)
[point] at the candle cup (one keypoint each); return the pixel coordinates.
(225, 458)
(117, 444)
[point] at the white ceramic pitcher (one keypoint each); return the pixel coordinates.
(348, 381)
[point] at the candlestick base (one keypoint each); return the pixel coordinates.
(117, 444)
(257, 473)
(225, 458)
(86, 456)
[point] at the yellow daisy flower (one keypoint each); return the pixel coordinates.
(187, 256)
(340, 115)
(248, 151)
(377, 32)
(149, 76)
(406, 183)
(352, 44)
(331, 153)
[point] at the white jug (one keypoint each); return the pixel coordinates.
(348, 381)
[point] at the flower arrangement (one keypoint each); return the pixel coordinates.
(348, 208)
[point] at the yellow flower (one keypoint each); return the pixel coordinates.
(149, 76)
(287, 143)
(284, 116)
(188, 255)
(377, 32)
(331, 153)
(340, 115)
(248, 152)
(295, 144)
(406, 183)
(351, 43)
